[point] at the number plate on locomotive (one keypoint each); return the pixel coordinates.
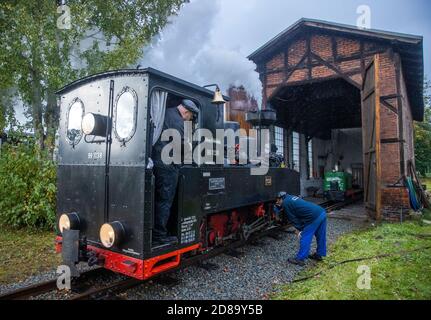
(216, 184)
(95, 155)
(268, 181)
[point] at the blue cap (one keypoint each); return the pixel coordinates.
(281, 195)
(190, 105)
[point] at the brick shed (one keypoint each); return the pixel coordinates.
(345, 98)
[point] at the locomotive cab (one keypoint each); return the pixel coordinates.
(109, 123)
(105, 181)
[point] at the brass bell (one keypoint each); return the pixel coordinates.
(218, 97)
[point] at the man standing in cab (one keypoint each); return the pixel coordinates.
(167, 174)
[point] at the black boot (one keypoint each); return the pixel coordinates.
(316, 257)
(296, 261)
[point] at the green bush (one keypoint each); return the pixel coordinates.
(27, 187)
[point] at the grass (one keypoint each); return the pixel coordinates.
(427, 181)
(24, 253)
(399, 277)
(427, 214)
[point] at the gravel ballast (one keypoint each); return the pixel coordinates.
(256, 274)
(253, 276)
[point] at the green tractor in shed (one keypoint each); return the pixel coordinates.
(337, 186)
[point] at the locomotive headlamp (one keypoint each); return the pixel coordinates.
(111, 234)
(68, 221)
(94, 124)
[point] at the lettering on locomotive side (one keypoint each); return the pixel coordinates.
(188, 233)
(95, 155)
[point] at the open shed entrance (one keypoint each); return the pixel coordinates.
(319, 131)
(382, 70)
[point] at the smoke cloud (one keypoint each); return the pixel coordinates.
(186, 48)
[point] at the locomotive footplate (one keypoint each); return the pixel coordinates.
(73, 250)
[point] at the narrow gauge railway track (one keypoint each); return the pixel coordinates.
(129, 283)
(332, 205)
(111, 289)
(44, 287)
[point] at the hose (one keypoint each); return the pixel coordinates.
(417, 195)
(414, 203)
(386, 255)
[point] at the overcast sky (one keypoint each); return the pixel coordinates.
(247, 24)
(210, 39)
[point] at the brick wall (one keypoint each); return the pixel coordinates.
(408, 136)
(395, 201)
(343, 53)
(294, 64)
(390, 152)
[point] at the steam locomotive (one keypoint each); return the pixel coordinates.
(105, 180)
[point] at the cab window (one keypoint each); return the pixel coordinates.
(125, 114)
(160, 101)
(74, 119)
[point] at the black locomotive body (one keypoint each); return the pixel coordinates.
(106, 180)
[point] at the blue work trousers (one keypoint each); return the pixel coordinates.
(166, 187)
(316, 228)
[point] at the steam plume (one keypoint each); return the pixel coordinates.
(186, 49)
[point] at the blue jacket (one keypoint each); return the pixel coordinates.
(299, 212)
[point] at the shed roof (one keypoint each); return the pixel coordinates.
(409, 46)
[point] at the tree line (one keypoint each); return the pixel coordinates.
(46, 44)
(422, 134)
